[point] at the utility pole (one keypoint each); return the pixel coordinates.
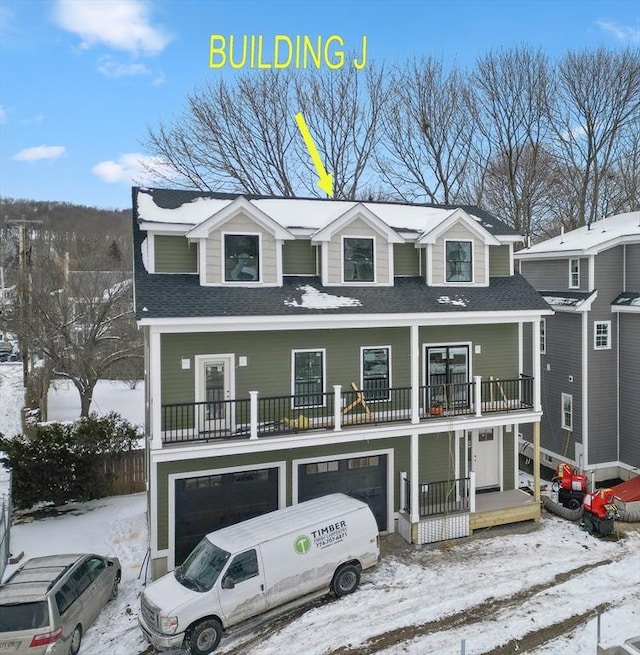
(23, 286)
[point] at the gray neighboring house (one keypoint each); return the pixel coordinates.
(590, 347)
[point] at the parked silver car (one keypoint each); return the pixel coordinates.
(49, 602)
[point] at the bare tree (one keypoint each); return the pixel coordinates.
(427, 133)
(598, 107)
(510, 103)
(80, 322)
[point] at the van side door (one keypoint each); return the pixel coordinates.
(241, 591)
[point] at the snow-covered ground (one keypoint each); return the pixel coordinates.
(531, 590)
(11, 398)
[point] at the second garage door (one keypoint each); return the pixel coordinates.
(364, 478)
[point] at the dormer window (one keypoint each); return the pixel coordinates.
(459, 261)
(241, 258)
(358, 260)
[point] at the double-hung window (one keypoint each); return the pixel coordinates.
(574, 274)
(376, 374)
(241, 258)
(567, 411)
(602, 335)
(358, 263)
(459, 261)
(308, 377)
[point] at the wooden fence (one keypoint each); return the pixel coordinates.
(125, 473)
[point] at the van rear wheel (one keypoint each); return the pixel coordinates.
(205, 637)
(76, 640)
(346, 580)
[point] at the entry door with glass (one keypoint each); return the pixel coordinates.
(215, 412)
(448, 376)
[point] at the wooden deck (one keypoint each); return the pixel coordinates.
(502, 507)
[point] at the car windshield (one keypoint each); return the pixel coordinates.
(23, 616)
(202, 567)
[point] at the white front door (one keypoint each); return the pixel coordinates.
(215, 412)
(485, 456)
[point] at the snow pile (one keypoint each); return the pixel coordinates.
(11, 398)
(314, 299)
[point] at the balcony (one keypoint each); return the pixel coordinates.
(257, 416)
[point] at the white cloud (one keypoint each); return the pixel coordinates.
(119, 24)
(130, 168)
(34, 120)
(3, 115)
(40, 152)
(623, 33)
(111, 68)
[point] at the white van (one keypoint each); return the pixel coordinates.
(257, 565)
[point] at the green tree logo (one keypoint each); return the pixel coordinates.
(302, 544)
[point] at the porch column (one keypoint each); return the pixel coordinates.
(253, 414)
(477, 394)
(537, 407)
(414, 351)
(536, 462)
(155, 397)
(337, 407)
(415, 485)
(472, 491)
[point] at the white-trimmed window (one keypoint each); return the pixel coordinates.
(358, 259)
(543, 336)
(308, 378)
(567, 411)
(574, 274)
(241, 257)
(602, 335)
(375, 372)
(459, 261)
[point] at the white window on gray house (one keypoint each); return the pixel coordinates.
(308, 378)
(574, 274)
(358, 260)
(458, 259)
(241, 258)
(602, 335)
(375, 372)
(543, 336)
(567, 411)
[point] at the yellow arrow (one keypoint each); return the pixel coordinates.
(326, 179)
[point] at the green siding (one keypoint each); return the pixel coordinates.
(175, 255)
(499, 261)
(406, 260)
(436, 457)
(508, 439)
(299, 258)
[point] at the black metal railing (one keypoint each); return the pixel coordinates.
(225, 419)
(441, 497)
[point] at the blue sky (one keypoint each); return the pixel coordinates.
(82, 80)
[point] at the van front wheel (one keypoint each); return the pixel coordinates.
(346, 580)
(205, 636)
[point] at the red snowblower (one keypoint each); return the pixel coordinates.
(598, 512)
(570, 485)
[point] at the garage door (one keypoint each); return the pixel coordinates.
(364, 478)
(210, 502)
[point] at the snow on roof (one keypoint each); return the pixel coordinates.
(627, 299)
(458, 302)
(595, 239)
(566, 302)
(190, 213)
(299, 212)
(314, 299)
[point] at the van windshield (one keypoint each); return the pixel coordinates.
(202, 567)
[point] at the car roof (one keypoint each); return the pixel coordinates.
(35, 577)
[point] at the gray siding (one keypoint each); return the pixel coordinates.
(564, 357)
(630, 389)
(499, 261)
(406, 260)
(508, 445)
(632, 256)
(299, 258)
(553, 274)
(174, 254)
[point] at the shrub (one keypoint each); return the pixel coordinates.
(59, 462)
